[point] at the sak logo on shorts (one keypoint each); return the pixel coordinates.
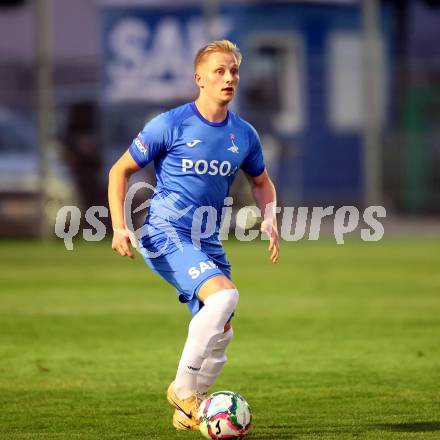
(212, 167)
(195, 272)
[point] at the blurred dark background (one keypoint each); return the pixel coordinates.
(345, 95)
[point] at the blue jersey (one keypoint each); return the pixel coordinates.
(196, 162)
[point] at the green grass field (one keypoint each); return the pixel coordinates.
(334, 342)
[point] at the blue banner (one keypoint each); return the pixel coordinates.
(148, 53)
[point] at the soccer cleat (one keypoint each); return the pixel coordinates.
(182, 422)
(188, 406)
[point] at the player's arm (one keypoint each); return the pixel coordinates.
(265, 197)
(117, 189)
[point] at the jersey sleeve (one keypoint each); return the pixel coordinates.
(254, 162)
(154, 140)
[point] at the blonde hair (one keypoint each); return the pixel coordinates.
(217, 46)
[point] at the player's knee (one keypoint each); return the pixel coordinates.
(232, 296)
(230, 299)
(225, 300)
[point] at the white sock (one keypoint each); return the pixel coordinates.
(213, 364)
(204, 330)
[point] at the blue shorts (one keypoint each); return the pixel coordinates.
(187, 268)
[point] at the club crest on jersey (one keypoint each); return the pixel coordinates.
(141, 146)
(233, 148)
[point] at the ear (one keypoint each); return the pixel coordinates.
(198, 79)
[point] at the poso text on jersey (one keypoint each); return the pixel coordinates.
(213, 167)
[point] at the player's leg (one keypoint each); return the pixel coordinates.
(208, 374)
(206, 338)
(192, 271)
(189, 269)
(220, 298)
(214, 363)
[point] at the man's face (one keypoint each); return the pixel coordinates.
(218, 76)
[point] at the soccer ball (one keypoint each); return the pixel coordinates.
(224, 415)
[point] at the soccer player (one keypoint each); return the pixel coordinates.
(197, 149)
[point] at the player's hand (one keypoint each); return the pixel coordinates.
(270, 228)
(121, 242)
